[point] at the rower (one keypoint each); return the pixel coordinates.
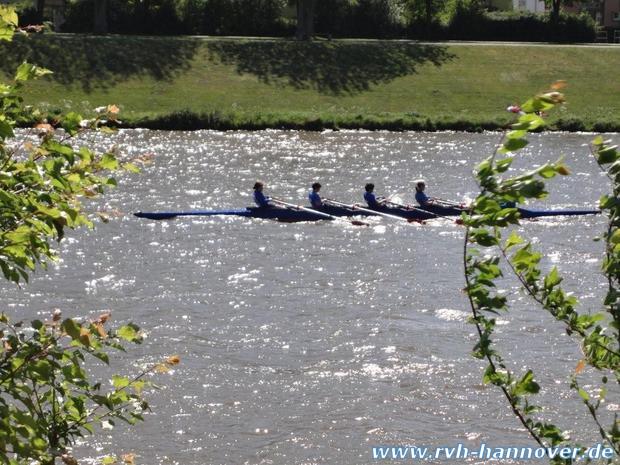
(422, 199)
(369, 197)
(314, 197)
(260, 198)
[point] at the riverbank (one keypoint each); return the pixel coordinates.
(231, 83)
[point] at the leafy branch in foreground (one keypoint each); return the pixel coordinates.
(53, 402)
(48, 397)
(486, 247)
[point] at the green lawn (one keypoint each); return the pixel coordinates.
(348, 83)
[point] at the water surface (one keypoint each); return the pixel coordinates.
(309, 343)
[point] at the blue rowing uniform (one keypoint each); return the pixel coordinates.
(261, 200)
(422, 198)
(371, 200)
(315, 199)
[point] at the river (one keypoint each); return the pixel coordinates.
(310, 343)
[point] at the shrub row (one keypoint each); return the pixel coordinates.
(187, 120)
(335, 18)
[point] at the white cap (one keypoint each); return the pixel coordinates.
(419, 181)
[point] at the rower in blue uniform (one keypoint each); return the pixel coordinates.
(426, 201)
(260, 198)
(422, 199)
(314, 197)
(369, 197)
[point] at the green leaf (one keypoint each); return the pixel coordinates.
(110, 182)
(129, 333)
(503, 165)
(512, 145)
(547, 171)
(537, 104)
(483, 237)
(530, 409)
(606, 155)
(8, 22)
(615, 237)
(529, 122)
(494, 377)
(6, 130)
(516, 134)
(71, 328)
(120, 382)
(43, 368)
(71, 123)
(39, 443)
(27, 71)
(533, 189)
(552, 279)
(131, 168)
(527, 385)
(584, 395)
(108, 162)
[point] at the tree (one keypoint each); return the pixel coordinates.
(40, 7)
(488, 253)
(305, 19)
(48, 394)
(425, 9)
(100, 23)
(425, 12)
(556, 6)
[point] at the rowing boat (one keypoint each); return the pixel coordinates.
(441, 210)
(272, 213)
(292, 214)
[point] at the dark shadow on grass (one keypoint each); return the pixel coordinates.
(329, 67)
(99, 62)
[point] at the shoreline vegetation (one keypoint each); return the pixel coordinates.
(225, 83)
(190, 121)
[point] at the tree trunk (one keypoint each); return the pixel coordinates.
(429, 11)
(101, 17)
(555, 10)
(305, 19)
(429, 17)
(40, 8)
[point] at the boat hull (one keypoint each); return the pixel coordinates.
(295, 215)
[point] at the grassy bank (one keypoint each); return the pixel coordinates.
(190, 83)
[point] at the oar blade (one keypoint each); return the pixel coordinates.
(156, 215)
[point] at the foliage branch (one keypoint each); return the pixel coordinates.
(47, 396)
(488, 244)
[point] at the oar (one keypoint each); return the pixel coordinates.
(411, 207)
(368, 210)
(448, 202)
(316, 212)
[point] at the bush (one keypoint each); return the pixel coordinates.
(244, 17)
(366, 18)
(471, 24)
(167, 17)
(157, 17)
(381, 19)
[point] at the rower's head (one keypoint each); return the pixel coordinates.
(369, 187)
(420, 185)
(316, 186)
(258, 186)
